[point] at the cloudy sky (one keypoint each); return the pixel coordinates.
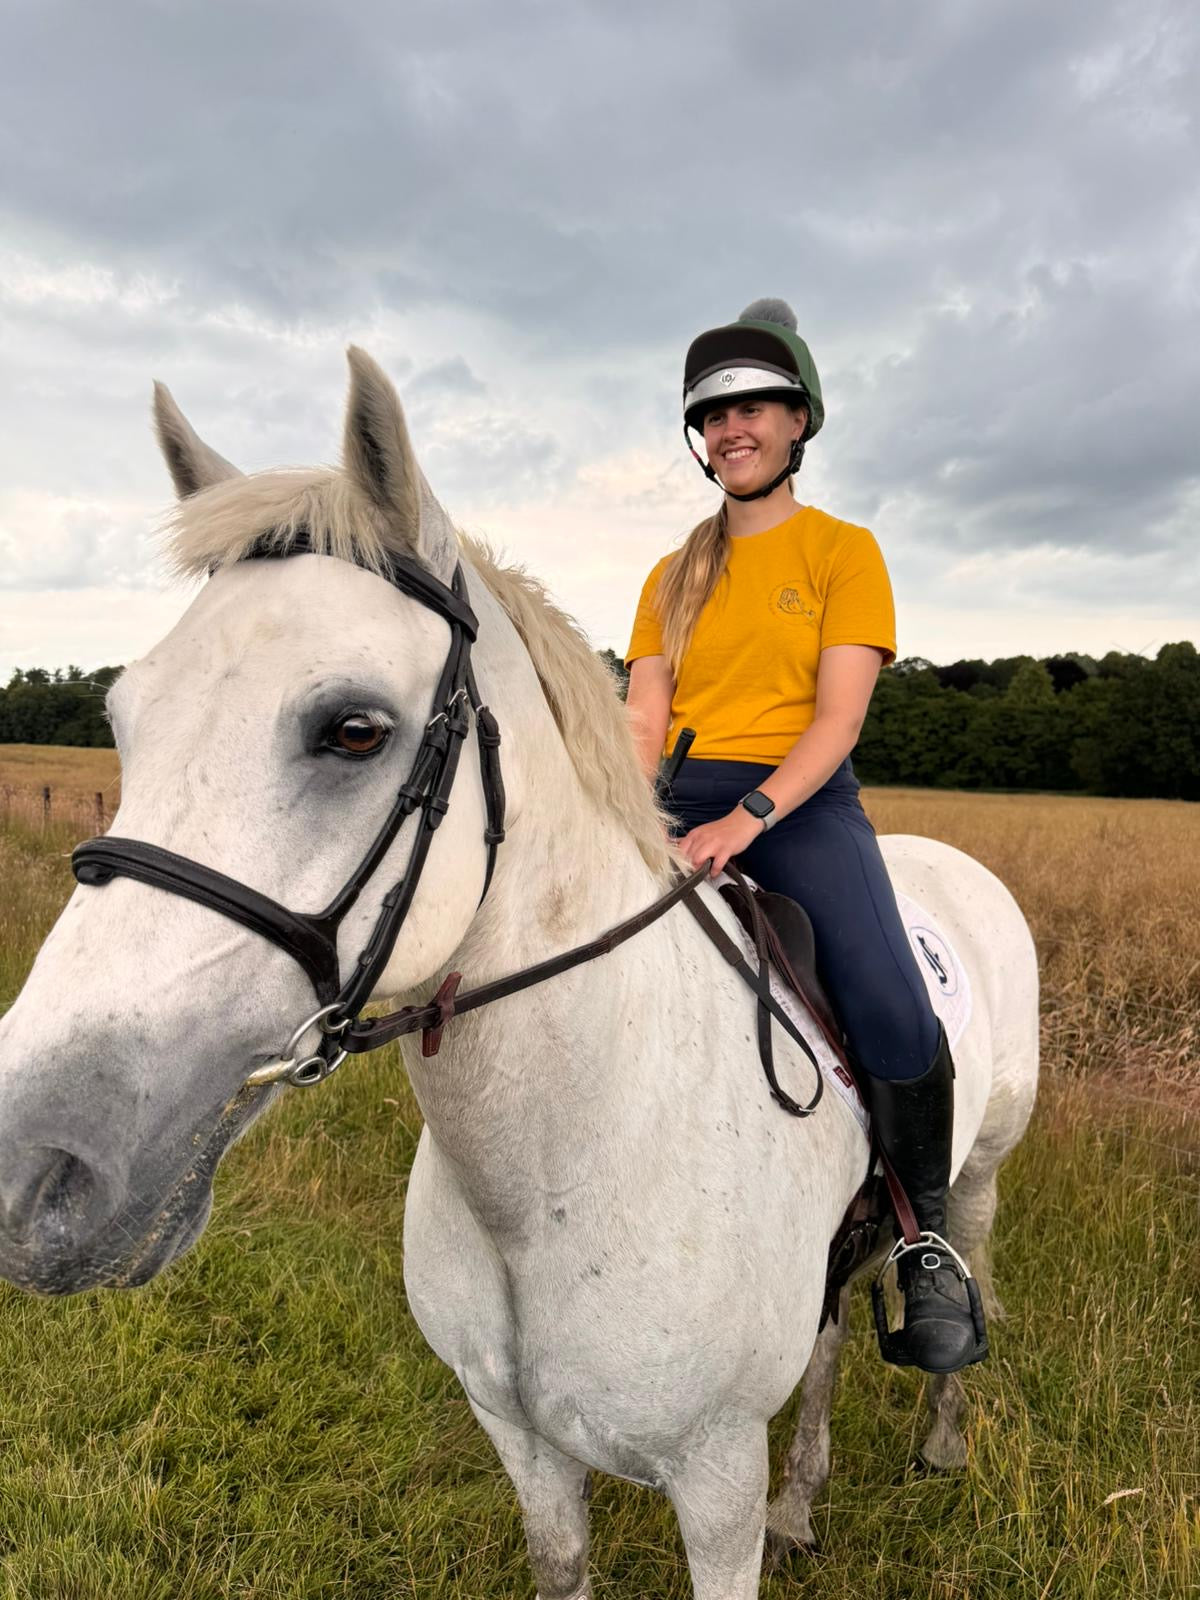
(987, 216)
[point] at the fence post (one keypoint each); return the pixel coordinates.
(46, 806)
(99, 812)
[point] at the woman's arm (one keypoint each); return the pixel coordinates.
(846, 675)
(651, 688)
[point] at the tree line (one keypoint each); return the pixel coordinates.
(1120, 725)
(43, 706)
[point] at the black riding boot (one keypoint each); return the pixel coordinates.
(943, 1318)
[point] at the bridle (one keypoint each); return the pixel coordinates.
(311, 939)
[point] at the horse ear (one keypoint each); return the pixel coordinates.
(378, 456)
(193, 465)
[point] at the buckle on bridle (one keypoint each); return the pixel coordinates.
(444, 715)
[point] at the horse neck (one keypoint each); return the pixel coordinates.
(508, 1075)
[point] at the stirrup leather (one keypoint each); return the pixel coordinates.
(892, 1344)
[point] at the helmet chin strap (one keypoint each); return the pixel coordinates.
(795, 457)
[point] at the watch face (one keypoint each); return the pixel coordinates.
(758, 805)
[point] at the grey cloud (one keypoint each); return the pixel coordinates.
(444, 379)
(73, 546)
(593, 183)
(480, 456)
(1055, 413)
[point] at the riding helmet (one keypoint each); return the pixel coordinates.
(759, 355)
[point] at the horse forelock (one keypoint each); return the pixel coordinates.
(323, 506)
(221, 525)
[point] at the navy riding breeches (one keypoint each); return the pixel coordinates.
(825, 855)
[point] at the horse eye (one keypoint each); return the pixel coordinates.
(357, 734)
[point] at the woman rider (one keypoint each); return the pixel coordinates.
(765, 633)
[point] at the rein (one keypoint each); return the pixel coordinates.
(429, 1020)
(311, 938)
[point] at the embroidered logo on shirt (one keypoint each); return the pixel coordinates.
(794, 600)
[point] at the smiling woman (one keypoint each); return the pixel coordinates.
(765, 634)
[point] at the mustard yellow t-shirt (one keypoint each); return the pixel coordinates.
(748, 683)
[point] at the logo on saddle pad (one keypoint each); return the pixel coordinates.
(927, 943)
(940, 965)
(795, 600)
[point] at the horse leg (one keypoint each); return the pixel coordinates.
(720, 1497)
(806, 1470)
(972, 1208)
(552, 1489)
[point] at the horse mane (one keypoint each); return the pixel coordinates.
(219, 526)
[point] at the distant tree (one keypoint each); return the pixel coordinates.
(1116, 664)
(39, 706)
(1065, 672)
(963, 675)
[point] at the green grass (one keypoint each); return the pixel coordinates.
(265, 1421)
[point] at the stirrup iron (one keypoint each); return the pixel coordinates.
(892, 1345)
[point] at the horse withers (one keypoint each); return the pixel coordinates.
(612, 1233)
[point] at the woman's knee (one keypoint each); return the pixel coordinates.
(891, 1031)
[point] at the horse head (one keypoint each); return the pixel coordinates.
(266, 738)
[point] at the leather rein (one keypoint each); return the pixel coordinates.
(311, 938)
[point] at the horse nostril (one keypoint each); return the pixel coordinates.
(53, 1195)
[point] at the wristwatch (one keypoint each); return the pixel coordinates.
(761, 806)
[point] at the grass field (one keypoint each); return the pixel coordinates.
(74, 771)
(264, 1422)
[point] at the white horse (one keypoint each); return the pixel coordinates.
(613, 1234)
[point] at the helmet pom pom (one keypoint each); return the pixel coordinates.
(770, 311)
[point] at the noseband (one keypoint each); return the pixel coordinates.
(311, 939)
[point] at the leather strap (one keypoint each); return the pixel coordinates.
(309, 940)
(768, 1008)
(369, 1033)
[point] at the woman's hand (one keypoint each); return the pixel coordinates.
(727, 836)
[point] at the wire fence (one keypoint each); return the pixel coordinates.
(46, 808)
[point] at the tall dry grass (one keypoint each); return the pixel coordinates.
(63, 767)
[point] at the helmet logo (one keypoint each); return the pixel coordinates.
(727, 378)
